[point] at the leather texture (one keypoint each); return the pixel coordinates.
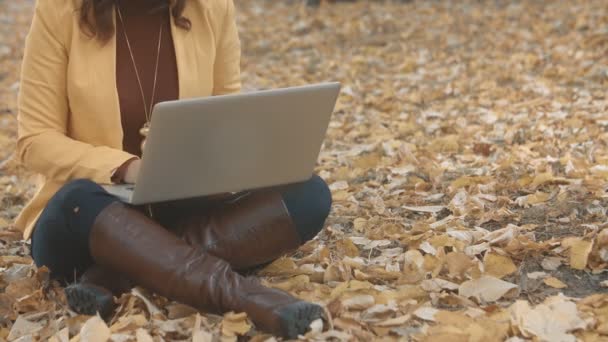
(249, 231)
(128, 242)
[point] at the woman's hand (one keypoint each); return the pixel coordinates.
(132, 172)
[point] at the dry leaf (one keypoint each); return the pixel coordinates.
(458, 263)
(347, 247)
(551, 263)
(579, 252)
(235, 324)
(552, 320)
(437, 285)
(360, 302)
(23, 327)
(498, 266)
(178, 310)
(360, 224)
(537, 275)
(95, 330)
(152, 308)
(426, 313)
(426, 209)
(397, 321)
(61, 336)
(280, 267)
(446, 133)
(555, 283)
(143, 336)
(486, 289)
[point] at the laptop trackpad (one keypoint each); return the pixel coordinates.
(124, 192)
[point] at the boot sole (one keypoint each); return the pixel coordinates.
(296, 318)
(86, 299)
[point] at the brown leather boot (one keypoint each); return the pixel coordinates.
(95, 290)
(128, 242)
(248, 232)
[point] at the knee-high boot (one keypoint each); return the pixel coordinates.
(248, 232)
(126, 241)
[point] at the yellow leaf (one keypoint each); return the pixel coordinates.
(487, 289)
(367, 161)
(538, 197)
(579, 252)
(397, 321)
(555, 283)
(292, 283)
(453, 318)
(95, 329)
(498, 266)
(465, 181)
(143, 336)
(445, 144)
(341, 195)
(360, 224)
(541, 178)
(347, 247)
(458, 263)
(235, 324)
(282, 266)
(360, 302)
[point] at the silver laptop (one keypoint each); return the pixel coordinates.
(231, 143)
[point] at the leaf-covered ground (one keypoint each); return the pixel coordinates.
(467, 158)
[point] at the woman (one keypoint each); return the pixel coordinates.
(92, 71)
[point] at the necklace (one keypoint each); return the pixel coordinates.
(147, 109)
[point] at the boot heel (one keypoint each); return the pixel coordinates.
(295, 318)
(89, 299)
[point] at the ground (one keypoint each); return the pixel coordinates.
(467, 159)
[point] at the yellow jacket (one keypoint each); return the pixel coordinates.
(69, 116)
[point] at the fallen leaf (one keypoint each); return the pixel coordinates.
(537, 275)
(498, 266)
(426, 209)
(360, 224)
(437, 285)
(95, 330)
(143, 336)
(61, 336)
(458, 263)
(553, 320)
(152, 308)
(555, 283)
(178, 310)
(579, 252)
(486, 289)
(428, 248)
(347, 247)
(235, 324)
(360, 302)
(426, 313)
(10, 260)
(279, 267)
(23, 327)
(551, 263)
(397, 321)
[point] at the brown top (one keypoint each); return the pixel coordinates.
(142, 20)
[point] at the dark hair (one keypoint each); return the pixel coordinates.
(96, 17)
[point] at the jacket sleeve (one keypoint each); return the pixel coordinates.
(42, 144)
(227, 66)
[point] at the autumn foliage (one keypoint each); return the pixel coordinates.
(467, 158)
